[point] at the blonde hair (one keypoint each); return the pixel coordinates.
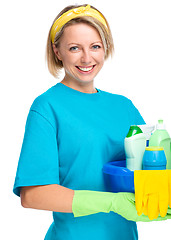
(54, 64)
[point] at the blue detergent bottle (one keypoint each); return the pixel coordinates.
(154, 158)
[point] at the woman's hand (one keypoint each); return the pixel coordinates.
(125, 206)
(91, 202)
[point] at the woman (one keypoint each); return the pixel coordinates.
(72, 130)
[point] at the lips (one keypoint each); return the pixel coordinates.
(87, 69)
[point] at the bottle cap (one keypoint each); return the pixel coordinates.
(160, 125)
(154, 148)
(134, 130)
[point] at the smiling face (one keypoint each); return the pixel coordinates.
(81, 52)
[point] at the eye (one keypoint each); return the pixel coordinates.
(74, 48)
(95, 47)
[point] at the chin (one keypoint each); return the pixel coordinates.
(80, 78)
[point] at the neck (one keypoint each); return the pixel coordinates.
(81, 87)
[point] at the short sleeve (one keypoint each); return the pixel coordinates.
(137, 119)
(38, 162)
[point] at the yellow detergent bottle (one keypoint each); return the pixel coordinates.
(161, 138)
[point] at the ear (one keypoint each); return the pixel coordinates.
(57, 53)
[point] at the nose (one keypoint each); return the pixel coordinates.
(86, 56)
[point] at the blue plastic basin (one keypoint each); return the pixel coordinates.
(117, 177)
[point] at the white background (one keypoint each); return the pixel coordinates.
(140, 70)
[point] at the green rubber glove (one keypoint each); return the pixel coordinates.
(91, 202)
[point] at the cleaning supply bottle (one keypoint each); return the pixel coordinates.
(147, 130)
(135, 143)
(154, 158)
(161, 138)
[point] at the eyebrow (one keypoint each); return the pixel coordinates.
(80, 44)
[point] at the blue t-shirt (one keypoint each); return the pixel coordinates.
(69, 136)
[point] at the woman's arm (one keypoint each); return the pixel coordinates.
(48, 197)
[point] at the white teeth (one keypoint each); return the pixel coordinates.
(85, 69)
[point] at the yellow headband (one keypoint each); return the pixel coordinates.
(74, 13)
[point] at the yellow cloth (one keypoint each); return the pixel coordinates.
(152, 192)
(75, 13)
